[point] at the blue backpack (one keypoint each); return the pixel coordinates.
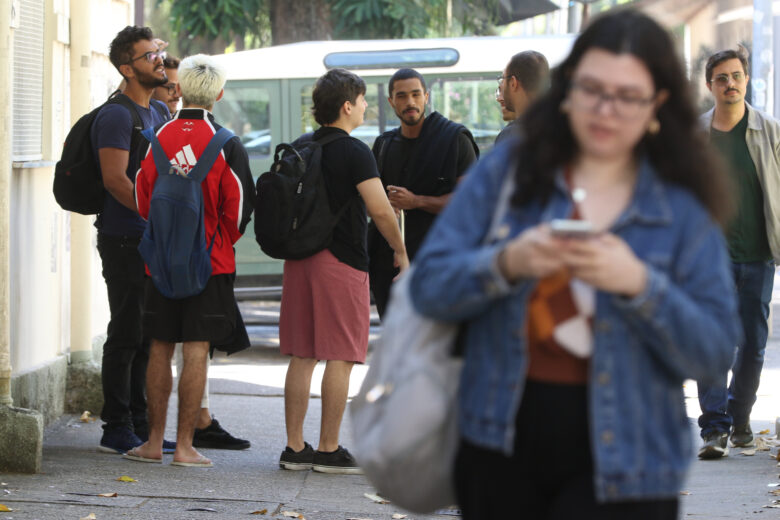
(174, 242)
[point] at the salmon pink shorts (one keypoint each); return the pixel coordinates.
(325, 309)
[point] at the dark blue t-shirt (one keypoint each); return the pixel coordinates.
(113, 128)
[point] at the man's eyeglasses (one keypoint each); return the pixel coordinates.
(171, 88)
(501, 78)
(151, 56)
(723, 79)
(590, 97)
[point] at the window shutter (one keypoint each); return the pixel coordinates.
(28, 82)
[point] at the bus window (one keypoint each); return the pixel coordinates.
(246, 111)
(378, 118)
(470, 102)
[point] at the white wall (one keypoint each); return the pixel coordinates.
(40, 230)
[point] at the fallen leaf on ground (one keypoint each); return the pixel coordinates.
(775, 492)
(773, 506)
(125, 478)
(293, 514)
(685, 492)
(762, 444)
(90, 516)
(764, 432)
(376, 498)
(206, 509)
(261, 512)
(398, 516)
(748, 453)
(86, 416)
(107, 495)
(5, 509)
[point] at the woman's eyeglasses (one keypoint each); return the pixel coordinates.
(590, 97)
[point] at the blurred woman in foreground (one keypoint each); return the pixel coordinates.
(577, 342)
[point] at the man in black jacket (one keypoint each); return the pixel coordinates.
(420, 163)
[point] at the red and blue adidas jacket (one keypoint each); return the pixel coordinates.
(228, 189)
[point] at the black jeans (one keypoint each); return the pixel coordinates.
(126, 351)
(550, 474)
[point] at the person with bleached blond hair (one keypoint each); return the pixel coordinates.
(210, 317)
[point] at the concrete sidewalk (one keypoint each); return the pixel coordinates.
(246, 396)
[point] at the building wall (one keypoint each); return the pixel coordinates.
(40, 230)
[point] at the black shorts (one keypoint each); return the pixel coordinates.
(208, 316)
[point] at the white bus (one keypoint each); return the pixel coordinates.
(267, 98)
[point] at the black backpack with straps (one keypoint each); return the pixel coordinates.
(78, 183)
(293, 216)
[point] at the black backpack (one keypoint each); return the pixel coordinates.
(78, 184)
(293, 217)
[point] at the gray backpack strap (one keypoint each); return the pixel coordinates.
(502, 205)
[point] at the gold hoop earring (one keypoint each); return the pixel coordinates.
(654, 127)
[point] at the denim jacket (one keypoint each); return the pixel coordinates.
(763, 142)
(683, 326)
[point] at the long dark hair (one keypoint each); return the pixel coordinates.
(678, 152)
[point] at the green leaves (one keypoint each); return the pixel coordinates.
(370, 19)
(213, 19)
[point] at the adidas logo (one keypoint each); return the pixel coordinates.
(183, 162)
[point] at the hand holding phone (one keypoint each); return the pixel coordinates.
(570, 228)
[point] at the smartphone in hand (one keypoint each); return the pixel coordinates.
(570, 228)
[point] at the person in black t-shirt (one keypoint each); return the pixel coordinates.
(325, 298)
(420, 163)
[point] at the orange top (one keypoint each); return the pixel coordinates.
(551, 304)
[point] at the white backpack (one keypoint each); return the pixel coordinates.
(404, 419)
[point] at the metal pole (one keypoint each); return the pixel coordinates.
(80, 226)
(5, 207)
(761, 68)
(139, 13)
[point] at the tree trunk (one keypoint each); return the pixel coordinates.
(300, 20)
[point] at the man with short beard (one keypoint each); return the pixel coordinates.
(117, 143)
(419, 163)
(523, 80)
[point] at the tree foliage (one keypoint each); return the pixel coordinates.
(218, 21)
(212, 25)
(368, 19)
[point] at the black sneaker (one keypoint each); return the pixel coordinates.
(215, 437)
(742, 436)
(339, 462)
(118, 440)
(715, 446)
(297, 460)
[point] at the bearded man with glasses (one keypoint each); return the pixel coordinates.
(523, 80)
(117, 143)
(748, 140)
